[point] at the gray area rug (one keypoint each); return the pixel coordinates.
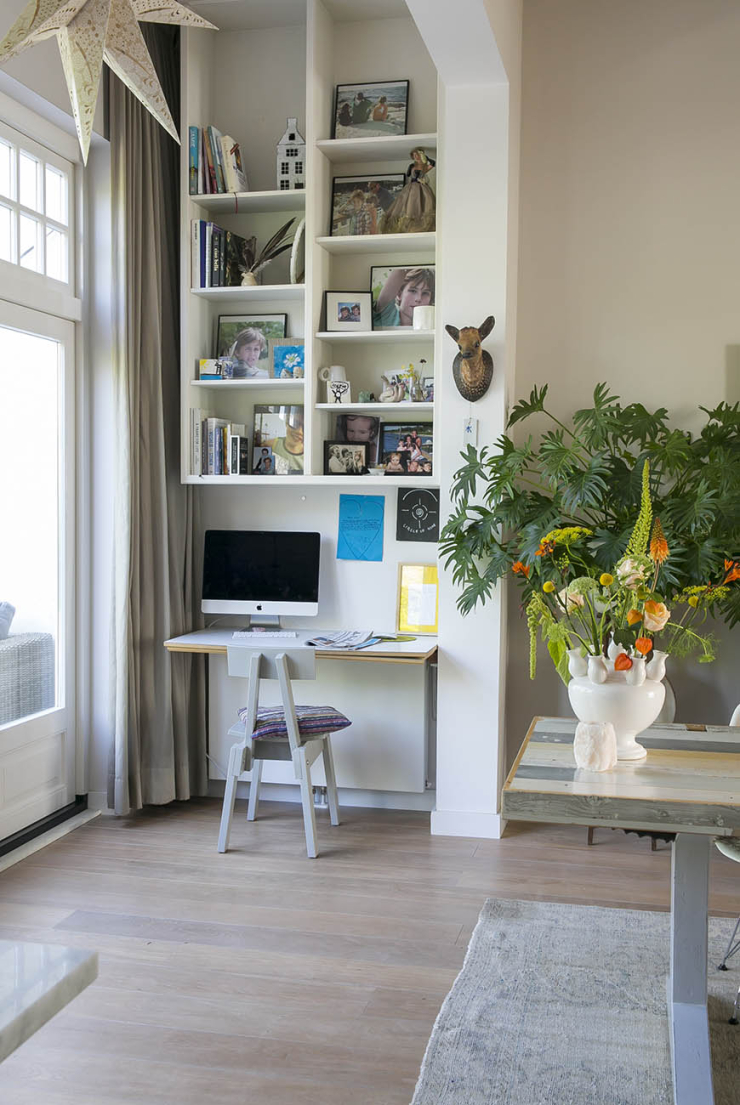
(566, 1005)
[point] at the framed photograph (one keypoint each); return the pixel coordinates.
(417, 514)
(358, 203)
(371, 109)
(344, 459)
(406, 449)
(360, 429)
(348, 310)
(279, 428)
(418, 599)
(427, 383)
(287, 358)
(263, 462)
(244, 340)
(396, 290)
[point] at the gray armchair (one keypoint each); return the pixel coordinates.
(27, 665)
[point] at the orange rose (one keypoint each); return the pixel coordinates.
(656, 614)
(622, 662)
(643, 645)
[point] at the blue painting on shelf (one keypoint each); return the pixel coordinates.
(361, 519)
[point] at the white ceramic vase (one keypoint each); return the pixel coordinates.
(630, 700)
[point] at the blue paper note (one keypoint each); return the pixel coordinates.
(360, 527)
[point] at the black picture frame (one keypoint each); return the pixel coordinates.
(342, 458)
(380, 129)
(404, 461)
(356, 421)
(268, 323)
(390, 186)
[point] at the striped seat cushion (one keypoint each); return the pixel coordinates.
(311, 720)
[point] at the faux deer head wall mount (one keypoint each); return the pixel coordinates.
(472, 368)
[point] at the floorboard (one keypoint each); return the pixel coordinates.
(262, 975)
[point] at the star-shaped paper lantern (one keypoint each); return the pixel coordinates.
(92, 31)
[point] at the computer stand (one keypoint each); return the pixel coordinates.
(263, 621)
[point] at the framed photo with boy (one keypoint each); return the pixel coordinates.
(371, 109)
(358, 203)
(396, 290)
(360, 429)
(278, 429)
(244, 341)
(348, 311)
(406, 449)
(342, 458)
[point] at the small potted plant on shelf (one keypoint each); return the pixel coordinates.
(610, 597)
(254, 262)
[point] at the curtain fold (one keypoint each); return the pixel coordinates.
(158, 749)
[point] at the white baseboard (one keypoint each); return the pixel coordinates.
(373, 799)
(487, 826)
(40, 842)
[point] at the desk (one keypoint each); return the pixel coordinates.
(689, 784)
(388, 690)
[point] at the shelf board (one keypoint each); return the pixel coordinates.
(242, 202)
(379, 243)
(260, 383)
(260, 292)
(387, 148)
(314, 481)
(398, 334)
(423, 409)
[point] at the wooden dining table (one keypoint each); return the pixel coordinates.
(688, 784)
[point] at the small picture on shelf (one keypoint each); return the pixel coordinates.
(396, 290)
(427, 383)
(279, 428)
(348, 311)
(287, 358)
(406, 449)
(360, 429)
(212, 369)
(343, 459)
(358, 203)
(263, 463)
(370, 110)
(244, 340)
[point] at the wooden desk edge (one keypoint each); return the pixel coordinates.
(360, 654)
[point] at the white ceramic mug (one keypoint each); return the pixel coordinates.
(423, 318)
(334, 372)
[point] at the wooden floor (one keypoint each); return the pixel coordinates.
(262, 976)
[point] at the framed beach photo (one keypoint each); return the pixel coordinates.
(287, 358)
(371, 110)
(406, 449)
(418, 599)
(358, 203)
(342, 458)
(244, 340)
(396, 290)
(348, 310)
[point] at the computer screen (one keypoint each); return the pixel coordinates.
(260, 572)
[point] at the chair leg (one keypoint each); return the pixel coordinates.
(331, 782)
(254, 789)
(309, 815)
(732, 947)
(227, 813)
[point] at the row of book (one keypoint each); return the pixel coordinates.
(215, 163)
(218, 256)
(217, 447)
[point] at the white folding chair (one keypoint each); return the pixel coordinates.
(287, 732)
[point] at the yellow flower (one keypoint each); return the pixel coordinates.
(548, 587)
(606, 579)
(693, 600)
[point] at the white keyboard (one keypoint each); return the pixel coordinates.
(257, 635)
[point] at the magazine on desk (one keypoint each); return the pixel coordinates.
(344, 639)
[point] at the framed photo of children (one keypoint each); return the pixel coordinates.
(371, 109)
(244, 341)
(358, 203)
(396, 290)
(406, 449)
(344, 459)
(360, 429)
(348, 310)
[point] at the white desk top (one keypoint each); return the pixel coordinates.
(216, 640)
(36, 981)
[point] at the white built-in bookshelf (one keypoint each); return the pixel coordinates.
(247, 81)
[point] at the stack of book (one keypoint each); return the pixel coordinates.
(217, 447)
(218, 256)
(215, 163)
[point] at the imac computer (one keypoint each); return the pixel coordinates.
(264, 573)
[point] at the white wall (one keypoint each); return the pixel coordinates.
(630, 239)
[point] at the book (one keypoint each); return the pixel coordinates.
(193, 151)
(215, 256)
(214, 137)
(235, 258)
(202, 168)
(214, 445)
(234, 176)
(238, 455)
(212, 178)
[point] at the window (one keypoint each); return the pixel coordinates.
(284, 185)
(35, 207)
(299, 166)
(284, 166)
(291, 152)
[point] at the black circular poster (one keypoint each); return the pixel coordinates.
(417, 514)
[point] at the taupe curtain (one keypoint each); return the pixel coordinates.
(158, 751)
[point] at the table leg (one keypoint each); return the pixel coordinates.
(687, 986)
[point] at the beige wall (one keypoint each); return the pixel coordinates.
(629, 264)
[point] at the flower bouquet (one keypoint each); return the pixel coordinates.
(606, 631)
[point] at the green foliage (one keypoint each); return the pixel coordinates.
(638, 542)
(590, 473)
